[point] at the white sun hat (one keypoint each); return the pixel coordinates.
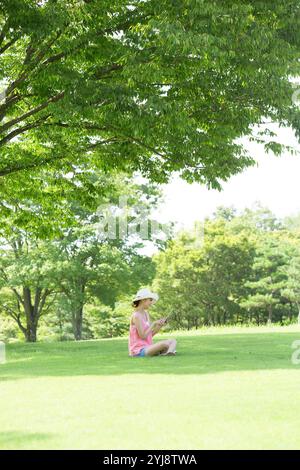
(145, 294)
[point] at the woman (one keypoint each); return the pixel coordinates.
(142, 330)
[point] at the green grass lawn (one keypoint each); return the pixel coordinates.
(226, 389)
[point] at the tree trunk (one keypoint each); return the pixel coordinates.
(78, 315)
(77, 324)
(33, 311)
(31, 316)
(298, 313)
(30, 333)
(270, 314)
(290, 314)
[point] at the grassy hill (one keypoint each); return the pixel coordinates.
(227, 388)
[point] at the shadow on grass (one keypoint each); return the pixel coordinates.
(11, 439)
(201, 354)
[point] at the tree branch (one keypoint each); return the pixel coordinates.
(102, 142)
(106, 69)
(54, 58)
(23, 129)
(44, 161)
(29, 54)
(42, 302)
(8, 44)
(33, 111)
(14, 316)
(3, 31)
(4, 274)
(37, 298)
(19, 298)
(8, 102)
(45, 310)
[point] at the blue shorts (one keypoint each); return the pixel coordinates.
(141, 353)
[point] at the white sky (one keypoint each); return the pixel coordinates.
(274, 182)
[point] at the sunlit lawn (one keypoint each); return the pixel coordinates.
(226, 389)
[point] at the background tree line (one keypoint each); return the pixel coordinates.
(245, 270)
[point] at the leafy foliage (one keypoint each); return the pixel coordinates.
(152, 86)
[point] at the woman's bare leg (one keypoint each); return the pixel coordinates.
(157, 348)
(172, 348)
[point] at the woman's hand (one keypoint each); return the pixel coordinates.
(157, 325)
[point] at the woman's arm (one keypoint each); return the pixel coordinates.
(141, 331)
(157, 325)
(156, 329)
(160, 323)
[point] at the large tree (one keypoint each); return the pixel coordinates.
(83, 262)
(247, 268)
(27, 284)
(153, 86)
(202, 285)
(273, 253)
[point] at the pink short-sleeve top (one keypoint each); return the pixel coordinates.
(135, 342)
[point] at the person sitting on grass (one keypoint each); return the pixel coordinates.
(140, 341)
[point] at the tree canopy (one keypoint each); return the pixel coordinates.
(151, 86)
